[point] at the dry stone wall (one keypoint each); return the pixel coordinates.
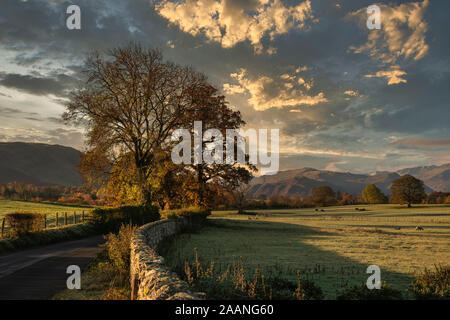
(151, 279)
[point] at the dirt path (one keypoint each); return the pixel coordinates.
(41, 273)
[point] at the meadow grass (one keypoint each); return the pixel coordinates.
(333, 248)
(10, 206)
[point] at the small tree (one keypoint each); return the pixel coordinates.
(323, 196)
(371, 194)
(447, 200)
(407, 189)
(239, 196)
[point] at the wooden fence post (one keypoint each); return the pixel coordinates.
(65, 218)
(74, 217)
(82, 216)
(57, 218)
(134, 286)
(45, 221)
(3, 227)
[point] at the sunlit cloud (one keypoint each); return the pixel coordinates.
(266, 92)
(352, 93)
(230, 22)
(393, 76)
(402, 36)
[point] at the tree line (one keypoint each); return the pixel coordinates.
(404, 190)
(56, 194)
(319, 196)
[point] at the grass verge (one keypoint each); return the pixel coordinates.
(46, 237)
(108, 276)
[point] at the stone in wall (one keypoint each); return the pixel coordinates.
(151, 279)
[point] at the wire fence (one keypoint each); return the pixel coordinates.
(54, 220)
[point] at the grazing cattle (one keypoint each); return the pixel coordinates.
(419, 228)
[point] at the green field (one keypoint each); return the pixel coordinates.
(333, 248)
(9, 206)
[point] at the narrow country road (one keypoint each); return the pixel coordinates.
(41, 273)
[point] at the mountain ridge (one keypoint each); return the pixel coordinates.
(39, 164)
(45, 164)
(300, 181)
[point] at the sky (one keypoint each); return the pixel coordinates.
(344, 97)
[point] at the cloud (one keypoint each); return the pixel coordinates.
(5, 95)
(352, 93)
(170, 44)
(402, 33)
(60, 136)
(402, 36)
(333, 166)
(266, 92)
(424, 143)
(230, 22)
(41, 86)
(394, 75)
(7, 112)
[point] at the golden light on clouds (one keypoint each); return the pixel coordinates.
(265, 92)
(394, 75)
(229, 22)
(402, 37)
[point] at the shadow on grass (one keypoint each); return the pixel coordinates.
(279, 250)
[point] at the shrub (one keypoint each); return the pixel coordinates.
(363, 293)
(118, 248)
(194, 215)
(433, 285)
(311, 290)
(110, 219)
(22, 223)
(304, 289)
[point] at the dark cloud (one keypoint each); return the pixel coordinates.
(7, 112)
(32, 84)
(35, 36)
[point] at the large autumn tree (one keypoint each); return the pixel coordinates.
(130, 104)
(407, 189)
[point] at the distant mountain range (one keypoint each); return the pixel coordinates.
(300, 182)
(43, 164)
(39, 164)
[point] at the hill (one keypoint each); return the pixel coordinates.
(300, 182)
(436, 177)
(39, 164)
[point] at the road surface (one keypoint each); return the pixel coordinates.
(39, 274)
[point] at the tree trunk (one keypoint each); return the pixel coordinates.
(146, 194)
(147, 197)
(200, 182)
